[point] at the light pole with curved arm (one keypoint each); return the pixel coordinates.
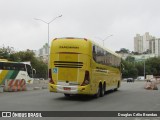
(48, 23)
(105, 38)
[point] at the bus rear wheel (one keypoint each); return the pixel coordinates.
(103, 90)
(98, 93)
(117, 87)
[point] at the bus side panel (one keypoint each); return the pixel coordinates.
(23, 75)
(93, 79)
(110, 76)
(15, 73)
(113, 78)
(7, 74)
(98, 76)
(81, 74)
(3, 74)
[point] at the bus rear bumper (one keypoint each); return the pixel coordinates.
(70, 89)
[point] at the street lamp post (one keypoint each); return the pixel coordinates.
(48, 23)
(144, 69)
(105, 38)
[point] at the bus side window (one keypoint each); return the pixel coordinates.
(1, 66)
(15, 66)
(9, 66)
(94, 53)
(22, 67)
(4, 66)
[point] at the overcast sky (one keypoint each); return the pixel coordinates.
(94, 19)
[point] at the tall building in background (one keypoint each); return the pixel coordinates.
(154, 46)
(42, 53)
(146, 39)
(138, 43)
(146, 44)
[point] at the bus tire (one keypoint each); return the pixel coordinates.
(98, 93)
(67, 95)
(103, 90)
(117, 87)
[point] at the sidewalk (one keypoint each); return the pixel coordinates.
(38, 84)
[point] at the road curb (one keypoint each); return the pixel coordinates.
(36, 88)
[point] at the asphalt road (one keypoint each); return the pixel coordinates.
(129, 97)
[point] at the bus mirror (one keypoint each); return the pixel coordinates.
(34, 71)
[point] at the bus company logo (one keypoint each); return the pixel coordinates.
(69, 47)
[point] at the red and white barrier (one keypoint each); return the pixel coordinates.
(151, 85)
(15, 85)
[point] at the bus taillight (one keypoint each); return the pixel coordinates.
(50, 77)
(86, 79)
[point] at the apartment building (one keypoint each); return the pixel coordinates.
(147, 44)
(138, 43)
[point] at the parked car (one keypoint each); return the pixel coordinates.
(130, 80)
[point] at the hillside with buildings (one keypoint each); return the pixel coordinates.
(145, 46)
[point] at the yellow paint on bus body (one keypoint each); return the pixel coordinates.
(71, 59)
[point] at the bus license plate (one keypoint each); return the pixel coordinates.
(67, 88)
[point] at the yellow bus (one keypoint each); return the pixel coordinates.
(80, 66)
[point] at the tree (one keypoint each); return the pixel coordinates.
(129, 69)
(123, 50)
(3, 53)
(133, 72)
(130, 59)
(41, 68)
(135, 53)
(140, 68)
(154, 65)
(23, 56)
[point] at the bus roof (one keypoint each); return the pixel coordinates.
(5, 60)
(71, 38)
(110, 51)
